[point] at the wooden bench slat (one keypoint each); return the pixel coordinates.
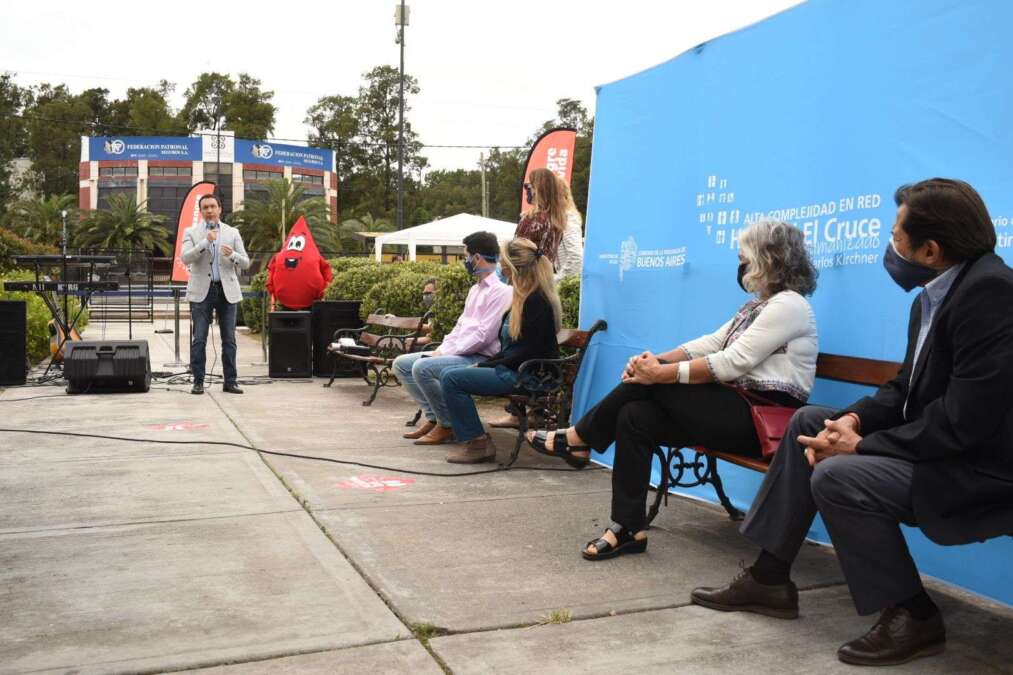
(572, 338)
(387, 321)
(855, 370)
(754, 463)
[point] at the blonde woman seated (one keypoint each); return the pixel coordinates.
(528, 331)
(680, 398)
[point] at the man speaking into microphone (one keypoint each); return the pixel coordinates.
(213, 252)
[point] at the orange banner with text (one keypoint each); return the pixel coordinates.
(554, 151)
(189, 215)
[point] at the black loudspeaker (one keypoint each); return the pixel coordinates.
(13, 340)
(107, 365)
(329, 316)
(291, 350)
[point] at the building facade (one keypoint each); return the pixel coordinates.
(159, 170)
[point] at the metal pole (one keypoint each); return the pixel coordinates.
(130, 298)
(66, 302)
(175, 298)
(400, 133)
(485, 191)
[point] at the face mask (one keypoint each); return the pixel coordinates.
(743, 268)
(470, 266)
(428, 299)
(530, 193)
(906, 273)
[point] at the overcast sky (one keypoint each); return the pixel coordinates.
(489, 71)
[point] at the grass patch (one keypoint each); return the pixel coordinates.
(424, 632)
(557, 617)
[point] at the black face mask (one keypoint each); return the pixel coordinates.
(529, 193)
(743, 268)
(906, 273)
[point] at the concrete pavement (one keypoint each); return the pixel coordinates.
(143, 556)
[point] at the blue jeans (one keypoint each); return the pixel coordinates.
(200, 312)
(421, 378)
(460, 383)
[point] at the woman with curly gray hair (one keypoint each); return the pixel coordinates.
(682, 398)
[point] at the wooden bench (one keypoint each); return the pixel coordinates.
(545, 396)
(678, 471)
(374, 352)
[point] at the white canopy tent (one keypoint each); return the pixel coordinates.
(444, 232)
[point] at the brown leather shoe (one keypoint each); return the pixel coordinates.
(421, 431)
(475, 451)
(896, 638)
(437, 436)
(746, 594)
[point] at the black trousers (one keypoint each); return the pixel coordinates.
(638, 418)
(863, 500)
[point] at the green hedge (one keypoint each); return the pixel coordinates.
(569, 297)
(253, 317)
(400, 295)
(340, 265)
(37, 338)
(12, 245)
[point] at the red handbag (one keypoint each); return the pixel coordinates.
(770, 420)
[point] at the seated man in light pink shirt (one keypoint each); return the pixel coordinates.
(475, 338)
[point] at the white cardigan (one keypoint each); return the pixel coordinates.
(570, 257)
(767, 346)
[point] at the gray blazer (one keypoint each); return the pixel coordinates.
(196, 256)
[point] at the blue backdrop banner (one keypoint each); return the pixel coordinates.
(815, 117)
(143, 147)
(260, 152)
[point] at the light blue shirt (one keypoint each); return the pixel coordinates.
(216, 269)
(933, 295)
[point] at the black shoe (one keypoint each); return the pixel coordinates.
(197, 388)
(896, 638)
(232, 389)
(746, 594)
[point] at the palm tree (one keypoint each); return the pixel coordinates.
(265, 220)
(364, 223)
(41, 220)
(124, 225)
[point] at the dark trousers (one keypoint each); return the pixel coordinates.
(638, 418)
(201, 314)
(862, 498)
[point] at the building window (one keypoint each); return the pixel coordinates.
(166, 200)
(305, 178)
(209, 168)
(117, 171)
(257, 174)
(169, 171)
(104, 193)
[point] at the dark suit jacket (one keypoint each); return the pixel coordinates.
(959, 426)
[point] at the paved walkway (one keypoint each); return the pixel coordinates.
(149, 555)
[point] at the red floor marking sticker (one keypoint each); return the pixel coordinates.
(178, 426)
(376, 483)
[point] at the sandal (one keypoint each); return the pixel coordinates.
(564, 452)
(627, 543)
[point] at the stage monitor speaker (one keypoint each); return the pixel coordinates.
(13, 340)
(329, 316)
(291, 350)
(107, 365)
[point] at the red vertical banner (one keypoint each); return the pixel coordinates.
(189, 215)
(554, 151)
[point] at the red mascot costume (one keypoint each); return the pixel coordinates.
(297, 274)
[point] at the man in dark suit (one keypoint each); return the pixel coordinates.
(933, 448)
